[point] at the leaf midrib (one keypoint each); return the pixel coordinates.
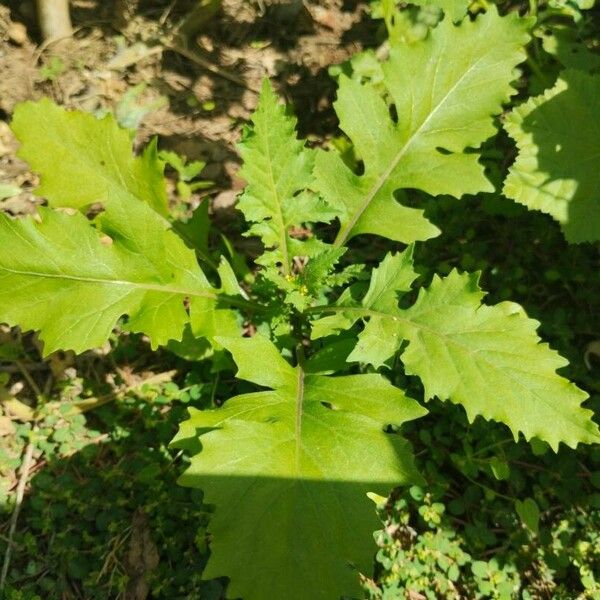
(167, 289)
(298, 423)
(382, 179)
(418, 325)
(279, 210)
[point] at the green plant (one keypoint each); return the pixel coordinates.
(72, 533)
(187, 172)
(289, 468)
(550, 173)
(53, 69)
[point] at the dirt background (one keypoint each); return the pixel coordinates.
(194, 91)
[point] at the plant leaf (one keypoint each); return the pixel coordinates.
(83, 160)
(558, 136)
(209, 321)
(316, 273)
(487, 358)
(297, 462)
(8, 190)
(453, 9)
(529, 513)
(565, 44)
(389, 281)
(446, 90)
(72, 282)
(277, 167)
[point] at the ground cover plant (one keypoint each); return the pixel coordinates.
(349, 332)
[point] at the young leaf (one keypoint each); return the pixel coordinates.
(487, 358)
(318, 271)
(558, 136)
(277, 166)
(446, 91)
(393, 277)
(296, 462)
(83, 160)
(72, 282)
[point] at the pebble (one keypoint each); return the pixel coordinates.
(17, 32)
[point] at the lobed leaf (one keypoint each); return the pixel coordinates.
(389, 281)
(446, 91)
(566, 45)
(487, 358)
(558, 136)
(297, 462)
(278, 169)
(72, 282)
(207, 319)
(83, 160)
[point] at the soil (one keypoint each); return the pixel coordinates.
(196, 91)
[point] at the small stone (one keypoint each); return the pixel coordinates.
(231, 168)
(224, 200)
(17, 32)
(324, 17)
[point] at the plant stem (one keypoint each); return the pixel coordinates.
(322, 308)
(533, 8)
(199, 17)
(54, 19)
(488, 488)
(35, 388)
(494, 445)
(300, 356)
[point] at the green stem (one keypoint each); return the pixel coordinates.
(300, 356)
(533, 8)
(489, 489)
(322, 308)
(494, 445)
(535, 68)
(213, 392)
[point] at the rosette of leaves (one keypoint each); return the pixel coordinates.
(288, 467)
